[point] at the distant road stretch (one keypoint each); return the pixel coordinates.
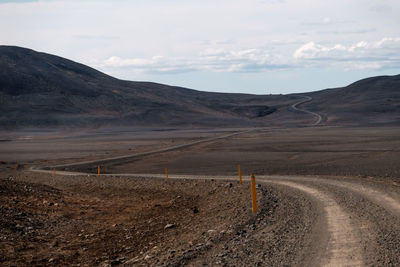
(307, 99)
(137, 155)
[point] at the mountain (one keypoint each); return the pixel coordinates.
(39, 89)
(43, 90)
(371, 101)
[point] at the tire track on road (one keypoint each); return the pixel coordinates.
(343, 245)
(377, 196)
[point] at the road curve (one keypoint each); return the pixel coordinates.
(343, 247)
(362, 218)
(304, 100)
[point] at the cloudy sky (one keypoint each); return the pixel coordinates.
(253, 46)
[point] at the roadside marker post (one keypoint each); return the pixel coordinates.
(166, 174)
(98, 170)
(253, 194)
(15, 167)
(54, 172)
(240, 174)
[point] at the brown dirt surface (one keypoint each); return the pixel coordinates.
(108, 220)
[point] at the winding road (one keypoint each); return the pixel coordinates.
(181, 146)
(304, 100)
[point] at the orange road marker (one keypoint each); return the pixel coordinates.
(98, 170)
(253, 194)
(15, 167)
(54, 172)
(240, 174)
(166, 174)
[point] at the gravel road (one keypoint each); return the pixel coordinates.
(130, 157)
(361, 219)
(307, 99)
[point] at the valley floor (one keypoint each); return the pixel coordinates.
(328, 196)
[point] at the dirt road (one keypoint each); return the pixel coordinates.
(130, 157)
(361, 220)
(307, 99)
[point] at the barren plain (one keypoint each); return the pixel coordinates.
(328, 196)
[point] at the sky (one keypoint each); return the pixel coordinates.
(247, 46)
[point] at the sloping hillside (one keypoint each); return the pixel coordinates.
(371, 101)
(38, 89)
(42, 90)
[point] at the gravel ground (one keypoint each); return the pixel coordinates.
(280, 235)
(110, 221)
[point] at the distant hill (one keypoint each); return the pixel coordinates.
(38, 89)
(371, 101)
(43, 90)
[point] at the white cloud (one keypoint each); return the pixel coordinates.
(361, 55)
(388, 42)
(219, 60)
(117, 62)
(312, 50)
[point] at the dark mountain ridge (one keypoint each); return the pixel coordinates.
(43, 90)
(38, 89)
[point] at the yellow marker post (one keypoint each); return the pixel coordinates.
(240, 174)
(98, 170)
(166, 174)
(253, 194)
(54, 172)
(15, 167)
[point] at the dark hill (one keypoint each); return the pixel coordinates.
(371, 101)
(42, 90)
(38, 89)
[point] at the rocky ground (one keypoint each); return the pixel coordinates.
(91, 221)
(136, 221)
